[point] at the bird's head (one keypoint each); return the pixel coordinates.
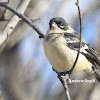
(58, 22)
(59, 25)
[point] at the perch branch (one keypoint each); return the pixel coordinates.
(81, 30)
(65, 80)
(64, 77)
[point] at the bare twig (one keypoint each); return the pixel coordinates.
(29, 22)
(81, 30)
(65, 78)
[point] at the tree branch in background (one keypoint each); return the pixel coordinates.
(4, 34)
(64, 76)
(24, 18)
(3, 17)
(1, 98)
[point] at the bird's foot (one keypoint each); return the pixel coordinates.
(63, 76)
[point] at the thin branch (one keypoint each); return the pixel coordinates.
(64, 77)
(24, 18)
(65, 80)
(81, 30)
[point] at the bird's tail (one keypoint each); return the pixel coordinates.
(98, 79)
(96, 73)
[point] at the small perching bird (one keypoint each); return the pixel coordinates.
(61, 45)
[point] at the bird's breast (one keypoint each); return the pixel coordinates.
(61, 56)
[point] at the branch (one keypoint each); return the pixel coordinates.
(64, 77)
(4, 34)
(1, 98)
(65, 80)
(24, 18)
(81, 30)
(4, 15)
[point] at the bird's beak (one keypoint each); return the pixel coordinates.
(53, 26)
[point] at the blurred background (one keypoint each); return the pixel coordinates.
(25, 73)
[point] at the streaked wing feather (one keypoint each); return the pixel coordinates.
(87, 50)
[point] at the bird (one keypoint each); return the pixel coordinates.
(61, 44)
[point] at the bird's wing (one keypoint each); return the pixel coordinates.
(72, 41)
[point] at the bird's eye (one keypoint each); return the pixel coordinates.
(61, 25)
